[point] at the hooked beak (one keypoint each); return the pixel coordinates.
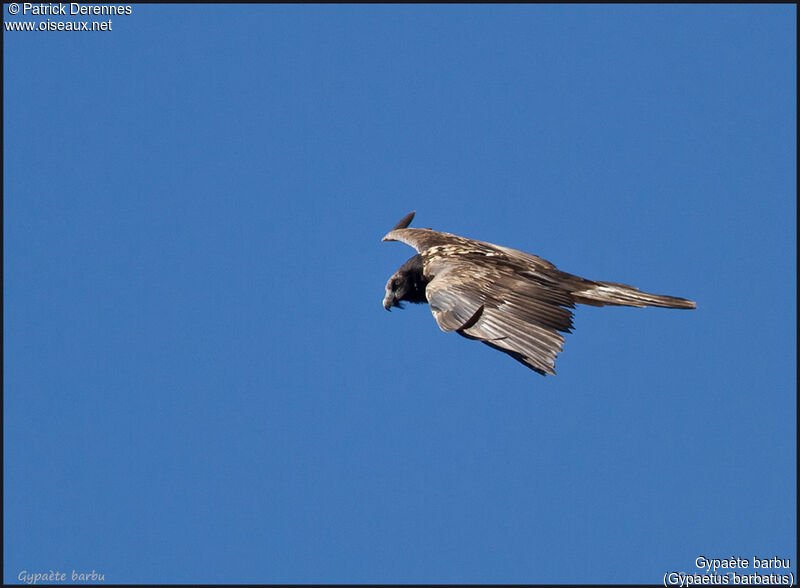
(389, 301)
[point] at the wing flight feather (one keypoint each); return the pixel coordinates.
(495, 304)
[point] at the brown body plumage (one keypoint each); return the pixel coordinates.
(510, 300)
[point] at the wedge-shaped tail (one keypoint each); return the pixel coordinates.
(609, 293)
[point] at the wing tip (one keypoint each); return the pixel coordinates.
(405, 221)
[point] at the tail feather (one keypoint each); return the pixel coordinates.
(603, 293)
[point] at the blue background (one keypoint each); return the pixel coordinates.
(201, 384)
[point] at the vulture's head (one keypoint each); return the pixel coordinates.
(406, 284)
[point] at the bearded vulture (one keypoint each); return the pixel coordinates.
(512, 301)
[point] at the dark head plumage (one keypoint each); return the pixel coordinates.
(406, 284)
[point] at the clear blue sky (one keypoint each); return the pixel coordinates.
(201, 384)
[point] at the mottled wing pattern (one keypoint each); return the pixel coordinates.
(484, 295)
(422, 239)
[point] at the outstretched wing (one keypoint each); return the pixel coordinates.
(422, 239)
(512, 308)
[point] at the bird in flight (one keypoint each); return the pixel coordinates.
(510, 300)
